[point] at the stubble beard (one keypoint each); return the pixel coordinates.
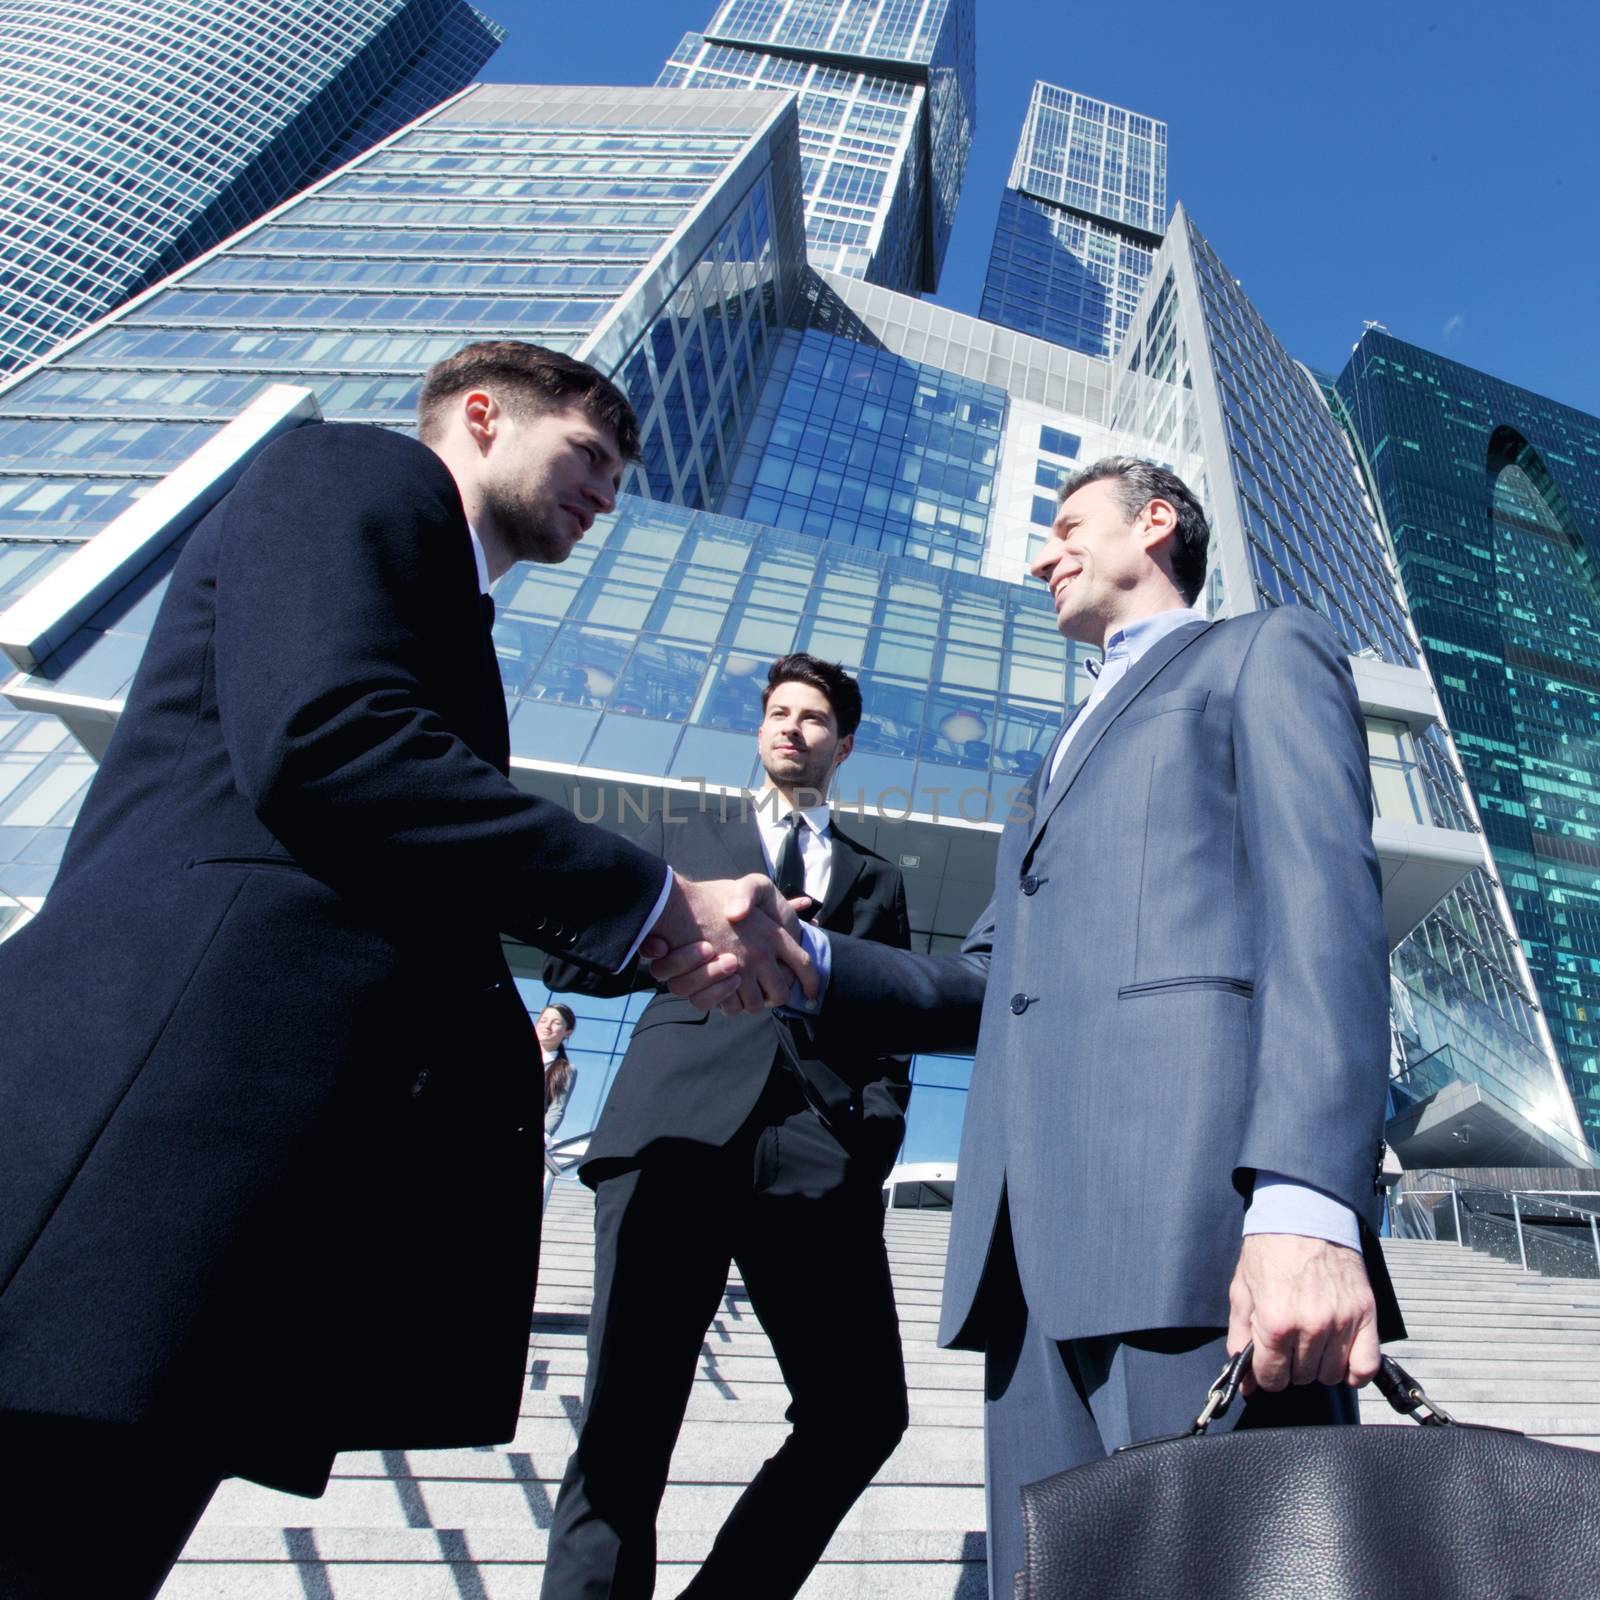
(533, 528)
(809, 785)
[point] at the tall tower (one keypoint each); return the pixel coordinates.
(1296, 520)
(1081, 215)
(887, 112)
(135, 134)
(505, 213)
(1493, 494)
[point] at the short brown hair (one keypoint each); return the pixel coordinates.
(529, 378)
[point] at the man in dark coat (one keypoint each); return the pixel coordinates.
(726, 1139)
(270, 1151)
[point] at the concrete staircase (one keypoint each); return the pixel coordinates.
(471, 1524)
(1490, 1343)
(1497, 1345)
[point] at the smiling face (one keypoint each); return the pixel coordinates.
(798, 740)
(1100, 564)
(543, 479)
(551, 1027)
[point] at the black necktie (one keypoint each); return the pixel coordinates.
(486, 604)
(790, 872)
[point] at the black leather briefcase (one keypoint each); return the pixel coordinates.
(1446, 1511)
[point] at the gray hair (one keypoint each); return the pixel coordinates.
(1138, 482)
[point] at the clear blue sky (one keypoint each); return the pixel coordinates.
(1435, 167)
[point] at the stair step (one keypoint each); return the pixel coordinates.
(1492, 1343)
(526, 1505)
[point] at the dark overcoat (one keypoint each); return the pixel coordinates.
(268, 1123)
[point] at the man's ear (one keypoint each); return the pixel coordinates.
(1157, 522)
(481, 414)
(846, 745)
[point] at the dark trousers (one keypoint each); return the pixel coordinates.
(94, 1509)
(1050, 1405)
(810, 1249)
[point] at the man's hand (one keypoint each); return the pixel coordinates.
(729, 942)
(1308, 1308)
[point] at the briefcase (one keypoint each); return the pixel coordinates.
(1444, 1511)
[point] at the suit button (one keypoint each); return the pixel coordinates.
(1020, 1003)
(420, 1083)
(1030, 884)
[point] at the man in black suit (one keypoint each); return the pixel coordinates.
(270, 1146)
(726, 1139)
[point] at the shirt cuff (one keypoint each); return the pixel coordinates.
(650, 921)
(1280, 1205)
(821, 953)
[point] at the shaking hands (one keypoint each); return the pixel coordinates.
(733, 943)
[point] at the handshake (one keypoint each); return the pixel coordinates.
(733, 943)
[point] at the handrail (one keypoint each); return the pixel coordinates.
(1469, 1201)
(555, 1170)
(1539, 1195)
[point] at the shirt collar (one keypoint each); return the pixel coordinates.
(773, 810)
(480, 558)
(1139, 636)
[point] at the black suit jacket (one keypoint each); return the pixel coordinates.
(691, 1078)
(269, 1135)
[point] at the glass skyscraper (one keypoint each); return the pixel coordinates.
(135, 134)
(1082, 212)
(888, 109)
(656, 233)
(895, 425)
(1493, 497)
(828, 464)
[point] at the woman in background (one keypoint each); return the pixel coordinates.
(554, 1026)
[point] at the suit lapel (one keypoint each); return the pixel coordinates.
(742, 843)
(845, 867)
(1133, 683)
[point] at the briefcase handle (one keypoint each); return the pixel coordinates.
(1394, 1383)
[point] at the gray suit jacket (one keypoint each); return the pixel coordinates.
(1187, 981)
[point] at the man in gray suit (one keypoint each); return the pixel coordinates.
(1179, 997)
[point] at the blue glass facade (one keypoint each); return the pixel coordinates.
(887, 113)
(874, 450)
(656, 234)
(1079, 221)
(646, 652)
(135, 135)
(1493, 497)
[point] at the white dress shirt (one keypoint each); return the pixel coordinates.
(815, 840)
(480, 558)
